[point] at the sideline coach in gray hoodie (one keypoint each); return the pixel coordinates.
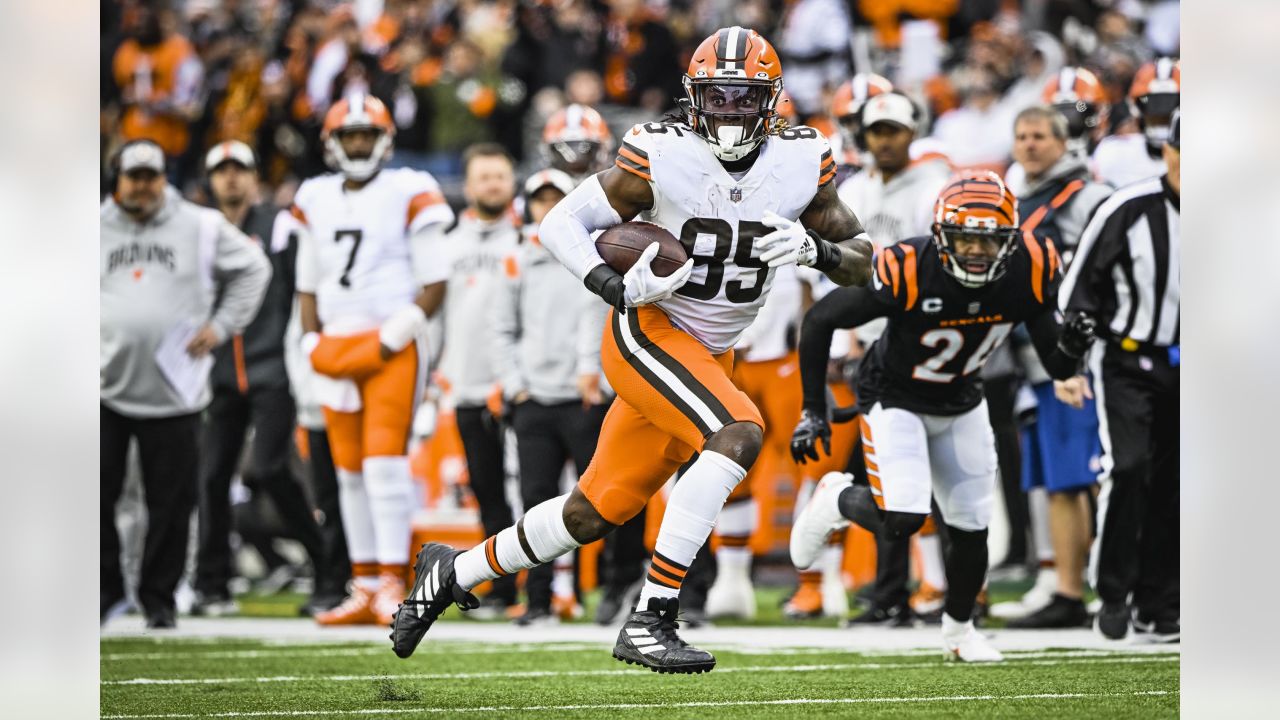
(164, 261)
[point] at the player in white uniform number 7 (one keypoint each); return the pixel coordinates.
(369, 273)
(744, 196)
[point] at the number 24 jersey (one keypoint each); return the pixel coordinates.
(717, 217)
(940, 332)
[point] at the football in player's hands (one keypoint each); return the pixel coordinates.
(621, 245)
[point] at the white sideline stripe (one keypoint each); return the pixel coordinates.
(657, 706)
(302, 649)
(588, 673)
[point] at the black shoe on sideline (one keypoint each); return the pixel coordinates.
(649, 638)
(434, 589)
(1161, 630)
(897, 616)
(1061, 612)
(536, 616)
(617, 599)
(1113, 620)
(162, 619)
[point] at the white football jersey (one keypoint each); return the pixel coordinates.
(718, 217)
(358, 262)
(1123, 160)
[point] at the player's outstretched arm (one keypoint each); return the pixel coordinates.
(842, 308)
(833, 221)
(1061, 346)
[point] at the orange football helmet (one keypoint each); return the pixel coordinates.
(1076, 93)
(976, 205)
(732, 88)
(846, 105)
(358, 112)
(1153, 96)
(577, 140)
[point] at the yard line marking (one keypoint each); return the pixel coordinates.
(302, 649)
(619, 671)
(653, 706)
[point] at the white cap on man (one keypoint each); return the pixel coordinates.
(142, 155)
(558, 179)
(229, 151)
(889, 107)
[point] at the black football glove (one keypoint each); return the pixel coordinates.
(804, 441)
(1077, 336)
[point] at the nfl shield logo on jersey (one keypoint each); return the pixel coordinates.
(735, 194)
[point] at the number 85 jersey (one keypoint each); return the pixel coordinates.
(717, 217)
(360, 256)
(940, 333)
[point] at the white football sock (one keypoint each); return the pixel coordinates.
(690, 516)
(734, 527)
(389, 484)
(932, 569)
(357, 523)
(503, 554)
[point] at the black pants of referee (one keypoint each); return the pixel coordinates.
(1137, 547)
(169, 452)
(270, 412)
(482, 444)
(548, 436)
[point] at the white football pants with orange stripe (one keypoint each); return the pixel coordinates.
(911, 456)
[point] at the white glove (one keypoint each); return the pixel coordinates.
(788, 244)
(643, 286)
(400, 329)
(309, 342)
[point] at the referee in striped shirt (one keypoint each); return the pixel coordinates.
(1125, 278)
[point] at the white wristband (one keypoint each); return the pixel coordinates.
(400, 329)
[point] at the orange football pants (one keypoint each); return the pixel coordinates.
(672, 395)
(388, 396)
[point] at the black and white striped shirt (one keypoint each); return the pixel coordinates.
(1126, 272)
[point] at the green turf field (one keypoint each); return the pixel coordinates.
(145, 677)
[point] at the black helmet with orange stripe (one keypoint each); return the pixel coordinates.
(732, 85)
(975, 227)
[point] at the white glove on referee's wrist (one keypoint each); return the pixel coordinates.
(788, 244)
(643, 286)
(402, 327)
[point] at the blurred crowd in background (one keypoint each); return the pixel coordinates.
(197, 72)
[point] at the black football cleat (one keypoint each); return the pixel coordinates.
(1061, 612)
(433, 590)
(1156, 630)
(649, 638)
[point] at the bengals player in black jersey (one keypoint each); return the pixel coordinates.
(951, 299)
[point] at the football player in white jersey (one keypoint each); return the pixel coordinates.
(744, 197)
(1154, 95)
(369, 274)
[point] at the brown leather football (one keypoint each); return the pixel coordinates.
(622, 244)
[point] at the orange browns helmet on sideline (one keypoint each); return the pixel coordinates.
(358, 112)
(1153, 96)
(975, 203)
(847, 102)
(577, 140)
(1078, 95)
(732, 89)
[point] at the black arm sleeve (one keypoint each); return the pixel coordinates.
(1044, 329)
(843, 308)
(607, 283)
